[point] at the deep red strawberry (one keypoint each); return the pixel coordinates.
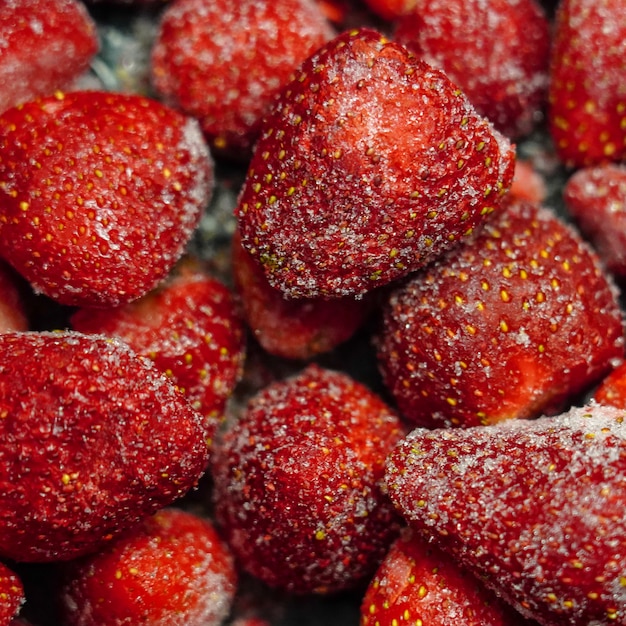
(92, 439)
(390, 9)
(293, 329)
(587, 96)
(515, 322)
(44, 46)
(223, 62)
(99, 193)
(370, 165)
(11, 595)
(612, 389)
(297, 482)
(533, 507)
(596, 198)
(172, 569)
(497, 51)
(191, 328)
(419, 584)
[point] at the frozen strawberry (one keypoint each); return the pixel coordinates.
(293, 329)
(190, 328)
(418, 584)
(391, 9)
(11, 595)
(223, 62)
(92, 439)
(595, 197)
(612, 389)
(497, 51)
(297, 482)
(514, 323)
(172, 569)
(12, 308)
(99, 193)
(528, 183)
(44, 46)
(533, 507)
(588, 82)
(370, 165)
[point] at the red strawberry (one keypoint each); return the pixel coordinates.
(192, 331)
(92, 439)
(534, 508)
(497, 51)
(528, 183)
(12, 309)
(596, 199)
(11, 595)
(513, 323)
(612, 390)
(588, 82)
(370, 165)
(223, 62)
(99, 193)
(297, 482)
(172, 569)
(44, 46)
(293, 329)
(391, 9)
(418, 584)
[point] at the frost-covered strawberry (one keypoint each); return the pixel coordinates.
(190, 328)
(297, 481)
(370, 164)
(172, 569)
(497, 51)
(223, 62)
(514, 323)
(11, 595)
(99, 193)
(587, 93)
(93, 438)
(612, 389)
(44, 46)
(535, 508)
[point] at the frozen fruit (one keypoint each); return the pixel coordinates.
(612, 389)
(370, 164)
(296, 482)
(12, 307)
(92, 439)
(533, 507)
(11, 595)
(173, 569)
(516, 322)
(99, 193)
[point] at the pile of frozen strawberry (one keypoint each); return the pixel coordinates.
(315, 304)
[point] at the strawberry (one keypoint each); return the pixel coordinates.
(528, 183)
(497, 51)
(419, 584)
(11, 595)
(296, 482)
(92, 439)
(44, 46)
(391, 9)
(612, 389)
(223, 62)
(595, 197)
(172, 569)
(192, 331)
(369, 166)
(99, 194)
(12, 307)
(293, 329)
(533, 507)
(515, 322)
(587, 93)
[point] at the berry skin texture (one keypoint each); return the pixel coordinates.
(293, 329)
(419, 584)
(514, 323)
(296, 483)
(370, 164)
(535, 508)
(497, 51)
(587, 95)
(223, 62)
(171, 570)
(190, 327)
(44, 46)
(92, 439)
(99, 194)
(11, 595)
(595, 197)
